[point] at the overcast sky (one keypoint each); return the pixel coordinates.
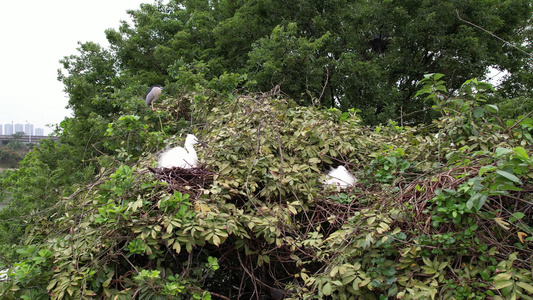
(35, 35)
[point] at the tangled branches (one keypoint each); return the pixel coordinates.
(187, 181)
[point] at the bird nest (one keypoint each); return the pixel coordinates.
(187, 181)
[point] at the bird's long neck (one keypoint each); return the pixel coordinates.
(192, 155)
(191, 150)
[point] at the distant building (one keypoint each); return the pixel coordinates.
(1, 131)
(28, 129)
(19, 128)
(8, 129)
(39, 131)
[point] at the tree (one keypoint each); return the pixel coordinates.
(364, 54)
(377, 49)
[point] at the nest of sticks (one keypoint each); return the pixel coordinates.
(190, 181)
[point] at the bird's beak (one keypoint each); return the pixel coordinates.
(201, 143)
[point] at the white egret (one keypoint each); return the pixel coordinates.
(181, 157)
(340, 177)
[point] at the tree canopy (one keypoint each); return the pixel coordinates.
(366, 55)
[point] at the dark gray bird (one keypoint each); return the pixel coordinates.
(153, 93)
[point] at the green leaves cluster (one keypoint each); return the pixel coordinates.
(365, 55)
(414, 226)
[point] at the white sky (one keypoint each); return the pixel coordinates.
(35, 35)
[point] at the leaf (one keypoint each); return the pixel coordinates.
(216, 240)
(437, 76)
(492, 108)
(477, 201)
(521, 236)
(502, 277)
(169, 228)
(502, 223)
(314, 160)
(484, 275)
(363, 283)
(348, 279)
(177, 247)
(337, 282)
(517, 216)
(266, 259)
(500, 284)
(51, 284)
(146, 185)
(479, 112)
(521, 152)
(135, 205)
(327, 289)
(107, 282)
(383, 227)
(89, 293)
(14, 288)
(292, 209)
(526, 286)
(502, 151)
(509, 176)
(201, 207)
(505, 187)
(429, 268)
(485, 169)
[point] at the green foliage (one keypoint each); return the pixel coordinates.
(389, 165)
(429, 217)
(11, 154)
(194, 77)
(285, 55)
(31, 191)
(306, 141)
(129, 136)
(364, 55)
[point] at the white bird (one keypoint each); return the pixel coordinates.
(181, 157)
(340, 177)
(439, 135)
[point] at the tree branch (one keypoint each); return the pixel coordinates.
(499, 38)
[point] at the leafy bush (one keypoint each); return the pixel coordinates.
(430, 217)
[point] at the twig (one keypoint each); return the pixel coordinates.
(160, 123)
(213, 294)
(325, 85)
(252, 277)
(499, 38)
(519, 121)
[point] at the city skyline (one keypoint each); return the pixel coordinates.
(64, 25)
(27, 128)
